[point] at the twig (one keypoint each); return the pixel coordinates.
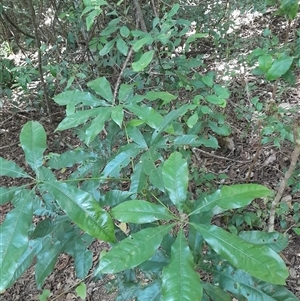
(287, 175)
(218, 157)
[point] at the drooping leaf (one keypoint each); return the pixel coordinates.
(242, 284)
(279, 67)
(143, 62)
(275, 240)
(83, 209)
(175, 176)
(11, 169)
(259, 261)
(33, 143)
(139, 212)
(232, 197)
(6, 194)
(102, 87)
(78, 118)
(14, 236)
(133, 250)
(180, 281)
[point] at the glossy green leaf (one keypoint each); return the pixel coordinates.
(107, 47)
(125, 92)
(83, 259)
(139, 212)
(216, 293)
(259, 261)
(176, 176)
(76, 97)
(117, 115)
(279, 67)
(143, 62)
(138, 44)
(242, 284)
(138, 179)
(14, 236)
(11, 169)
(6, 194)
(83, 210)
(180, 281)
(122, 46)
(232, 197)
(114, 197)
(147, 114)
(97, 125)
(127, 153)
(275, 240)
(102, 87)
(165, 96)
(152, 292)
(168, 119)
(133, 250)
(151, 169)
(43, 228)
(136, 136)
(78, 118)
(33, 143)
(265, 62)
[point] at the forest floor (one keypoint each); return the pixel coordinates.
(235, 158)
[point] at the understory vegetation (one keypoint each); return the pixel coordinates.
(156, 96)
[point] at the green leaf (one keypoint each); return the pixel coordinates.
(279, 67)
(168, 119)
(33, 143)
(192, 120)
(83, 210)
(14, 237)
(44, 295)
(102, 87)
(11, 169)
(133, 250)
(97, 125)
(289, 8)
(176, 176)
(179, 279)
(143, 62)
(242, 284)
(125, 92)
(43, 228)
(216, 293)
(78, 118)
(107, 47)
(274, 240)
(147, 114)
(83, 259)
(216, 100)
(208, 79)
(138, 44)
(81, 290)
(122, 46)
(221, 91)
(139, 212)
(117, 115)
(165, 96)
(265, 62)
(135, 135)
(6, 194)
(76, 97)
(127, 153)
(259, 261)
(232, 197)
(138, 179)
(124, 31)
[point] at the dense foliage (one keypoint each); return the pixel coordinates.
(138, 95)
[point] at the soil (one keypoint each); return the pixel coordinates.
(237, 158)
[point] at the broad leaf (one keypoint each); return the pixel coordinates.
(11, 169)
(117, 115)
(179, 279)
(83, 209)
(127, 153)
(138, 179)
(175, 176)
(135, 135)
(152, 292)
(265, 62)
(139, 212)
(242, 284)
(232, 197)
(83, 259)
(6, 194)
(216, 293)
(133, 250)
(33, 143)
(143, 62)
(259, 261)
(102, 87)
(165, 96)
(279, 67)
(14, 237)
(78, 118)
